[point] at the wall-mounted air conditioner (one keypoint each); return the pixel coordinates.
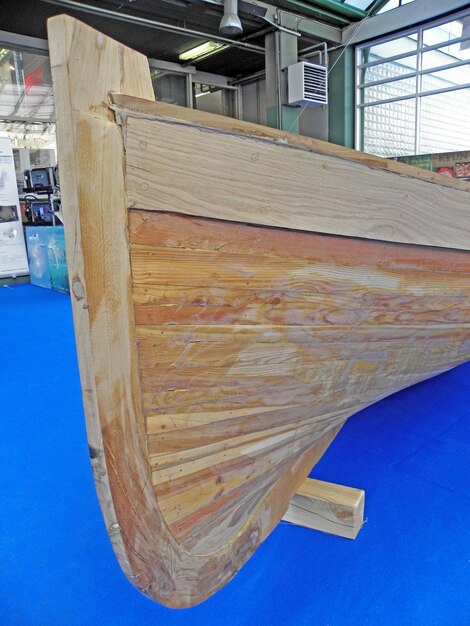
(307, 84)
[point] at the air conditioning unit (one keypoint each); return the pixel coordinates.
(307, 84)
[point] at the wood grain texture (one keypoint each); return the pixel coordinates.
(254, 341)
(300, 190)
(86, 65)
(219, 360)
(126, 105)
(327, 507)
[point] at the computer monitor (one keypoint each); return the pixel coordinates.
(39, 179)
(42, 212)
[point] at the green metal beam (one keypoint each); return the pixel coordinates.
(315, 11)
(346, 10)
(341, 97)
(405, 16)
(319, 30)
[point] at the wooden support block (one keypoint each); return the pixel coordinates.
(327, 507)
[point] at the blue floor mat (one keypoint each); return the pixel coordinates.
(409, 565)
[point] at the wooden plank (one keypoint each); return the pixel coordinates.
(331, 508)
(300, 190)
(126, 105)
(85, 65)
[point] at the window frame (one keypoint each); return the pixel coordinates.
(417, 53)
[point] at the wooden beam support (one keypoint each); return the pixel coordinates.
(331, 508)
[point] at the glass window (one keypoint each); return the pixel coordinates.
(445, 123)
(26, 86)
(391, 48)
(394, 4)
(442, 118)
(446, 78)
(442, 33)
(387, 91)
(389, 69)
(444, 56)
(359, 4)
(27, 113)
(389, 129)
(169, 87)
(214, 99)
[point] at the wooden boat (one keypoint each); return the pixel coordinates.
(238, 293)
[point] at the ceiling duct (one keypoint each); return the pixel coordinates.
(230, 23)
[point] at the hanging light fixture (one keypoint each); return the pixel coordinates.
(230, 23)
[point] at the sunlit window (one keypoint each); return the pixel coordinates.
(25, 86)
(359, 4)
(394, 4)
(26, 99)
(413, 91)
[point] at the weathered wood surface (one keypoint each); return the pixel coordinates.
(327, 507)
(300, 189)
(253, 342)
(125, 104)
(218, 360)
(85, 65)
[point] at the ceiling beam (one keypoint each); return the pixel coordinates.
(320, 31)
(406, 16)
(163, 26)
(29, 44)
(303, 7)
(313, 28)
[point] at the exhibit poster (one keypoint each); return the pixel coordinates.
(453, 164)
(57, 260)
(13, 258)
(36, 241)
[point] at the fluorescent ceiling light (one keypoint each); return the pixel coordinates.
(204, 50)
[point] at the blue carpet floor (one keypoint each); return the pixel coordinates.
(409, 565)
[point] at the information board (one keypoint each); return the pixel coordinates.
(13, 258)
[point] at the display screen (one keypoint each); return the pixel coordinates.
(42, 211)
(8, 213)
(40, 178)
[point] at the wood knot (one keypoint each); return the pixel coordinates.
(254, 536)
(78, 289)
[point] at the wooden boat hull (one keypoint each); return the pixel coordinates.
(253, 343)
(221, 348)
